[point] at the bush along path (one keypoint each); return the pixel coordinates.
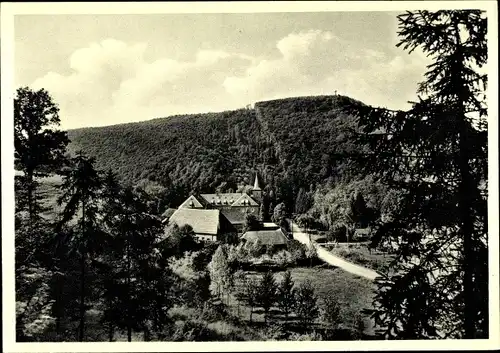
(332, 259)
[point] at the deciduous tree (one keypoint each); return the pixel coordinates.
(286, 294)
(266, 296)
(220, 272)
(330, 311)
(306, 306)
(247, 293)
(251, 223)
(39, 147)
(279, 214)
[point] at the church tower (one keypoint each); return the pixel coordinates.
(257, 191)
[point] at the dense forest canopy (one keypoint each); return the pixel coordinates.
(291, 143)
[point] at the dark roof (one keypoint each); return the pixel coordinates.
(229, 199)
(236, 215)
(191, 202)
(245, 200)
(269, 225)
(203, 221)
(266, 237)
(256, 185)
(221, 199)
(167, 214)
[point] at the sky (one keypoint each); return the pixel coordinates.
(111, 69)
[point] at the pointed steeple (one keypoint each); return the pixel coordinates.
(256, 183)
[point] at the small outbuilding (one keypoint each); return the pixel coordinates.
(362, 234)
(273, 237)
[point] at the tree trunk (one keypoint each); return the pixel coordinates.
(147, 334)
(82, 274)
(129, 319)
(465, 189)
(29, 182)
(311, 246)
(465, 201)
(111, 332)
(82, 297)
(57, 302)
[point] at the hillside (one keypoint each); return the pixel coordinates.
(292, 143)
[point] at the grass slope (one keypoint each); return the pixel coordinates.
(352, 293)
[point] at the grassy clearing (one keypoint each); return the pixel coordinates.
(48, 191)
(351, 292)
(358, 253)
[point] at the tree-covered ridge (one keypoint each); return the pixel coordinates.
(291, 143)
(191, 153)
(313, 136)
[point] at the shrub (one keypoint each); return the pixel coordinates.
(226, 331)
(306, 303)
(193, 285)
(265, 258)
(33, 314)
(286, 294)
(314, 336)
(283, 258)
(183, 266)
(359, 327)
(330, 312)
(270, 250)
(204, 256)
(191, 331)
(255, 248)
(297, 250)
(213, 312)
(276, 332)
(238, 253)
(178, 312)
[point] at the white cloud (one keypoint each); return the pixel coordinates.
(112, 82)
(317, 62)
(299, 44)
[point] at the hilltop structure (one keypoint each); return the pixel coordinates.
(232, 206)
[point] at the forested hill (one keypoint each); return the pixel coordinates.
(292, 143)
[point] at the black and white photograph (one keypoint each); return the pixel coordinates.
(303, 175)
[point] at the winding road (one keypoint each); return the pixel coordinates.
(331, 259)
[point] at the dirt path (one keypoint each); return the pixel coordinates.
(331, 259)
